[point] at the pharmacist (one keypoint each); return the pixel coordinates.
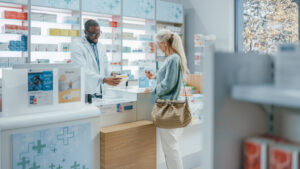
(88, 53)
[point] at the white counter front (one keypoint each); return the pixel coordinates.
(46, 137)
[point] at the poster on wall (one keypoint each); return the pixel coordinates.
(69, 85)
(40, 87)
(54, 148)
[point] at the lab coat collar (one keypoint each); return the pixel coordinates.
(88, 46)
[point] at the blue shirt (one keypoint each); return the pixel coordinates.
(96, 54)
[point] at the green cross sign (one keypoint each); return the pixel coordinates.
(52, 166)
(39, 147)
(34, 166)
(75, 166)
(65, 136)
(83, 167)
(59, 167)
(23, 163)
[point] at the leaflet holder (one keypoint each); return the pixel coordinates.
(37, 88)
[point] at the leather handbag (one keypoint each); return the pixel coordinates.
(170, 114)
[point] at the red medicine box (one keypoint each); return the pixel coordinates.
(113, 24)
(22, 16)
(10, 14)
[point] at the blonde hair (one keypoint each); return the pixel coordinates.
(175, 42)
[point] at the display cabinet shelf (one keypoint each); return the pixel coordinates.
(267, 94)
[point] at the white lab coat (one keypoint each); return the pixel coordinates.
(83, 55)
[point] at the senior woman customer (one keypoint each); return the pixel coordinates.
(168, 84)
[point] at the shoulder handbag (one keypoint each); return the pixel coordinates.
(170, 114)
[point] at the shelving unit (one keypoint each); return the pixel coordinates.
(13, 34)
(142, 18)
(267, 94)
(52, 31)
(110, 26)
(240, 95)
(138, 44)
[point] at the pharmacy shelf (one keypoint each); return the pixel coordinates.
(12, 34)
(54, 36)
(267, 94)
(57, 52)
(137, 40)
(53, 23)
(13, 20)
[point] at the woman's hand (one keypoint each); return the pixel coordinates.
(147, 90)
(149, 75)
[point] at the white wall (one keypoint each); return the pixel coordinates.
(212, 17)
(208, 17)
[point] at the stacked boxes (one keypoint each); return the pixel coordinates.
(15, 15)
(269, 152)
(15, 29)
(128, 35)
(65, 47)
(63, 32)
(70, 20)
(36, 31)
(4, 46)
(18, 45)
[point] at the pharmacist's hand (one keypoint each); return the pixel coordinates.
(149, 75)
(113, 81)
(147, 90)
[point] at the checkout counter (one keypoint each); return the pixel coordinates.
(52, 136)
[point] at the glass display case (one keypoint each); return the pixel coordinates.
(52, 31)
(138, 50)
(13, 33)
(110, 38)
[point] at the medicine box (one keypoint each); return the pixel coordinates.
(70, 20)
(10, 29)
(50, 18)
(37, 16)
(256, 152)
(10, 15)
(72, 33)
(54, 32)
(36, 31)
(284, 156)
(4, 46)
(65, 47)
(22, 15)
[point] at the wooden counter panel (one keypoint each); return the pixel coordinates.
(128, 146)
